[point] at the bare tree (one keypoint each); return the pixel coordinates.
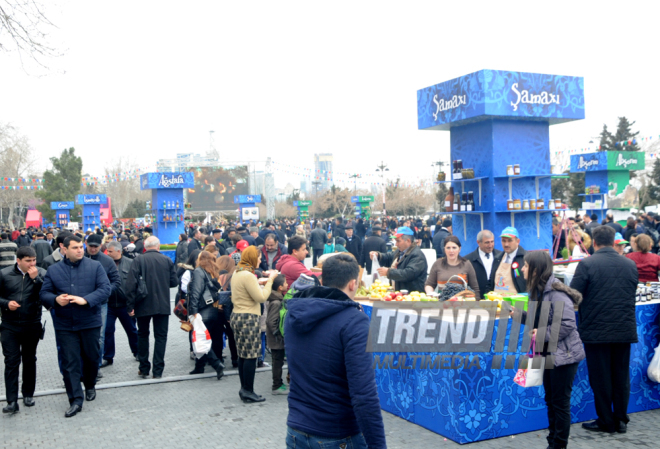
(24, 28)
(122, 189)
(16, 161)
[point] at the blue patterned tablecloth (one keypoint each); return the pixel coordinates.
(171, 254)
(467, 405)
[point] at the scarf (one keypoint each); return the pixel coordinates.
(249, 259)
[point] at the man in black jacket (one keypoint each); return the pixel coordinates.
(409, 268)
(483, 261)
(117, 308)
(41, 247)
(354, 244)
(317, 241)
(158, 274)
(507, 267)
(439, 237)
(607, 325)
(23, 239)
(374, 243)
(94, 242)
(338, 230)
(21, 325)
(194, 242)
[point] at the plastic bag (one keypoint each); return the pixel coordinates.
(367, 279)
(654, 368)
(374, 267)
(201, 338)
(531, 377)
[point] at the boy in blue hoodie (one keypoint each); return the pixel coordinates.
(325, 340)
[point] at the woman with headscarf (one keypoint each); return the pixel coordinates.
(201, 291)
(247, 297)
(226, 267)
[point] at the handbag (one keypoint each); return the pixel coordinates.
(180, 310)
(531, 377)
(142, 291)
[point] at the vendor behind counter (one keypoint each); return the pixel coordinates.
(452, 265)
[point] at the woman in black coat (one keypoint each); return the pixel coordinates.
(200, 306)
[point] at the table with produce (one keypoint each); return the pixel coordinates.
(480, 403)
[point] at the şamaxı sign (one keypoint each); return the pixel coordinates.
(498, 93)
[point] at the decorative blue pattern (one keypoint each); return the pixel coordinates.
(468, 405)
(498, 93)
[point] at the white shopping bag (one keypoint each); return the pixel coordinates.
(654, 368)
(531, 377)
(201, 338)
(374, 273)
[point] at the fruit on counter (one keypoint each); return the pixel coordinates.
(412, 296)
(494, 296)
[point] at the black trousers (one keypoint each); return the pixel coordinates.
(231, 341)
(211, 318)
(76, 345)
(20, 344)
(316, 253)
(558, 385)
(278, 363)
(161, 323)
(609, 377)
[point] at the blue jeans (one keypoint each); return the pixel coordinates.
(104, 318)
(301, 440)
(127, 322)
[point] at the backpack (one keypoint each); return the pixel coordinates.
(653, 233)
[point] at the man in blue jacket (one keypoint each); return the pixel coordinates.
(75, 289)
(325, 338)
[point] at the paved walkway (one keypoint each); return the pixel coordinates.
(204, 412)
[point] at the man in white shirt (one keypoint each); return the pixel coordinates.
(482, 260)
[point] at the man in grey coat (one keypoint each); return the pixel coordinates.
(317, 241)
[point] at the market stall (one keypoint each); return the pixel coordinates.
(167, 202)
(248, 211)
(91, 210)
(62, 214)
(303, 210)
(480, 403)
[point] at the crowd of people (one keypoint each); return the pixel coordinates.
(88, 281)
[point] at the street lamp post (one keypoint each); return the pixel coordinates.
(382, 168)
(355, 177)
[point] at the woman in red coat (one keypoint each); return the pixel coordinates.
(648, 264)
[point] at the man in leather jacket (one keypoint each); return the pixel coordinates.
(20, 285)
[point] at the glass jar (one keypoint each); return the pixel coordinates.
(540, 205)
(532, 204)
(557, 204)
(517, 204)
(551, 204)
(525, 205)
(509, 204)
(516, 169)
(509, 170)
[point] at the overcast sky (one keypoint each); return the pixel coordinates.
(147, 80)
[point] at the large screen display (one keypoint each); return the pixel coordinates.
(215, 187)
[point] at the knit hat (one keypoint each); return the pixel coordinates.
(304, 282)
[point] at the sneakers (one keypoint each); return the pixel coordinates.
(263, 364)
(283, 390)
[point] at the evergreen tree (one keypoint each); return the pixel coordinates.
(653, 189)
(440, 197)
(606, 140)
(624, 134)
(559, 187)
(61, 183)
(576, 187)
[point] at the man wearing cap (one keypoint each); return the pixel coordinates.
(619, 243)
(408, 267)
(354, 244)
(509, 279)
(243, 232)
(483, 261)
(373, 243)
(241, 245)
(317, 241)
(93, 251)
(41, 247)
(439, 237)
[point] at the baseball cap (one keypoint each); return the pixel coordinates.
(618, 239)
(510, 232)
(404, 230)
(241, 245)
(94, 240)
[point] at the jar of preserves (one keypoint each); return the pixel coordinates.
(532, 204)
(509, 170)
(551, 204)
(557, 204)
(525, 204)
(517, 204)
(540, 205)
(509, 204)
(516, 169)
